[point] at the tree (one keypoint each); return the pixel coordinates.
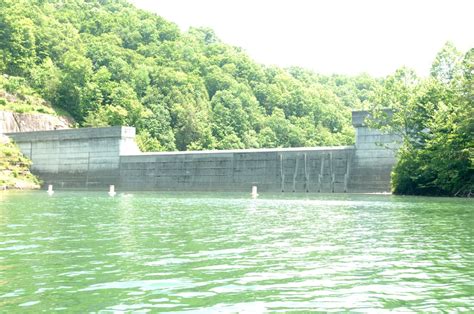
(447, 64)
(435, 118)
(46, 77)
(17, 41)
(399, 95)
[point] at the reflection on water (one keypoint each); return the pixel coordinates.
(87, 252)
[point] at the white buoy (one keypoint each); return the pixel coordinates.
(50, 190)
(254, 191)
(112, 190)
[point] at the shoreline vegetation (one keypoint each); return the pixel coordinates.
(107, 63)
(14, 168)
(434, 117)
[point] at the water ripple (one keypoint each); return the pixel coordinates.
(86, 252)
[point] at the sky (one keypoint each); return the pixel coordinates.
(330, 36)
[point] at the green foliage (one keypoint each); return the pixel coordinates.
(17, 96)
(444, 164)
(108, 63)
(147, 143)
(17, 38)
(14, 168)
(435, 120)
(447, 64)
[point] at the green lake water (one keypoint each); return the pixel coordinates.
(87, 252)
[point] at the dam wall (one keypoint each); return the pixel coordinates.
(77, 158)
(94, 158)
(323, 169)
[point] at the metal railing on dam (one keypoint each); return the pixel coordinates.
(94, 158)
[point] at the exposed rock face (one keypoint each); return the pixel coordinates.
(27, 122)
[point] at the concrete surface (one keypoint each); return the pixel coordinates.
(94, 158)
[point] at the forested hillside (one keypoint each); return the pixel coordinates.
(108, 63)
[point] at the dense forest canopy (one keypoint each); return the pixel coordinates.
(105, 62)
(108, 63)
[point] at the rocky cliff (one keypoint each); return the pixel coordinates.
(27, 122)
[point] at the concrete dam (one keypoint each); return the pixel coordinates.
(94, 158)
